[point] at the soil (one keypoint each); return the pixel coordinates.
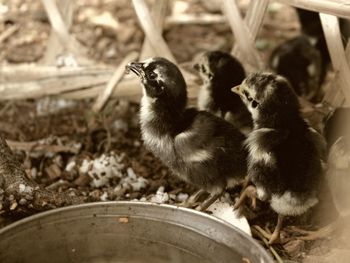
(115, 131)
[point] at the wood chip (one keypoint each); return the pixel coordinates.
(118, 74)
(123, 220)
(13, 206)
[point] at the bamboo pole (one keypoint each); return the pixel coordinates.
(332, 33)
(243, 37)
(151, 31)
(159, 11)
(117, 76)
(340, 8)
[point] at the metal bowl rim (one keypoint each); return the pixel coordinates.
(44, 214)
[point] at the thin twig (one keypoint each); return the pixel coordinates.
(201, 19)
(57, 22)
(159, 11)
(37, 146)
(266, 242)
(242, 34)
(118, 74)
(152, 33)
(340, 8)
(332, 33)
(8, 32)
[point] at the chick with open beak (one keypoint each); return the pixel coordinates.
(199, 147)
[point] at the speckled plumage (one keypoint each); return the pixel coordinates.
(220, 72)
(199, 147)
(285, 154)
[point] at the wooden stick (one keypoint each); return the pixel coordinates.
(253, 19)
(155, 37)
(159, 10)
(201, 19)
(51, 86)
(57, 22)
(266, 242)
(340, 8)
(255, 16)
(332, 33)
(118, 74)
(8, 32)
(242, 34)
(38, 146)
(60, 41)
(150, 29)
(28, 72)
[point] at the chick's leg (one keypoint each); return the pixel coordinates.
(207, 202)
(192, 200)
(276, 233)
(248, 192)
(321, 233)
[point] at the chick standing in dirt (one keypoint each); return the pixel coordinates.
(220, 72)
(199, 147)
(284, 160)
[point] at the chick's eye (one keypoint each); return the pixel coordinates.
(247, 96)
(254, 104)
(152, 75)
(203, 69)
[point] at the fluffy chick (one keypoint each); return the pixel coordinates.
(311, 27)
(219, 72)
(301, 63)
(284, 160)
(199, 147)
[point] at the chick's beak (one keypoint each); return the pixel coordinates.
(237, 90)
(136, 67)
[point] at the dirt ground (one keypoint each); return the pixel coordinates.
(111, 139)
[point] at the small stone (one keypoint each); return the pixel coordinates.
(82, 180)
(13, 206)
(22, 201)
(53, 171)
(70, 166)
(123, 220)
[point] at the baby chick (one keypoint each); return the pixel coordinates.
(301, 63)
(284, 160)
(220, 72)
(311, 27)
(199, 147)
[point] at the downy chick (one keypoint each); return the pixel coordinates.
(284, 160)
(199, 147)
(220, 72)
(301, 63)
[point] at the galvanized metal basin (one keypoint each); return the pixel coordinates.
(126, 232)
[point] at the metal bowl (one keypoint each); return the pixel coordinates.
(126, 232)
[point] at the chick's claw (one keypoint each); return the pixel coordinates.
(192, 200)
(275, 237)
(248, 192)
(321, 233)
(207, 202)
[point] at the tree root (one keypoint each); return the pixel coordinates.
(21, 196)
